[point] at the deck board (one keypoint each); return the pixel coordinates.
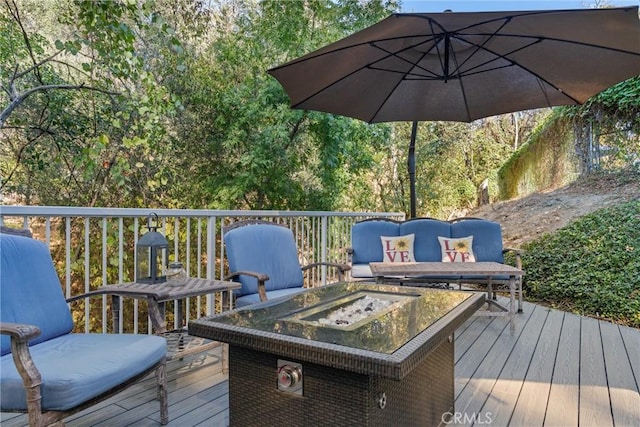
(563, 403)
(625, 399)
(534, 395)
(557, 369)
(632, 345)
(504, 394)
(595, 408)
(476, 389)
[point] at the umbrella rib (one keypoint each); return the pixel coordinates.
(395, 54)
(540, 78)
(373, 44)
(462, 90)
(480, 46)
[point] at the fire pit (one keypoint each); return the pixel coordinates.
(345, 354)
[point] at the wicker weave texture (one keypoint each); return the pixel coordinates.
(334, 397)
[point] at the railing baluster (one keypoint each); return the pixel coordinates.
(87, 275)
(67, 255)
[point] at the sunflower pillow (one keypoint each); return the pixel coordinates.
(457, 250)
(398, 248)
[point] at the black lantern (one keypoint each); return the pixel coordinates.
(151, 251)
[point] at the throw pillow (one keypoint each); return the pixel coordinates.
(398, 248)
(457, 250)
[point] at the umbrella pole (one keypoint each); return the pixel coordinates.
(411, 164)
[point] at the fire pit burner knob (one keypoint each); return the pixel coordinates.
(289, 376)
(382, 400)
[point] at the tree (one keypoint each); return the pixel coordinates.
(81, 113)
(241, 142)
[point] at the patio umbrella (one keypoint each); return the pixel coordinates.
(465, 66)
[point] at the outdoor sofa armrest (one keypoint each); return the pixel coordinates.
(518, 255)
(261, 277)
(342, 268)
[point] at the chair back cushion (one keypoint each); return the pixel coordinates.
(365, 239)
(487, 238)
(426, 247)
(30, 289)
(264, 248)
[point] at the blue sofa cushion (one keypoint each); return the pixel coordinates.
(28, 296)
(267, 249)
(78, 367)
(361, 271)
(426, 247)
(365, 240)
(487, 238)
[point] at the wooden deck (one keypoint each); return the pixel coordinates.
(558, 369)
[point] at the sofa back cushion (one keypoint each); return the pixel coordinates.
(365, 239)
(426, 246)
(30, 289)
(487, 238)
(264, 248)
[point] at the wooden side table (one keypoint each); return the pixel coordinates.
(179, 342)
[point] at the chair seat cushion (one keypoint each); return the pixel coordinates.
(255, 298)
(79, 367)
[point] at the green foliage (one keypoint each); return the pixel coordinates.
(547, 160)
(591, 266)
(239, 139)
(453, 160)
(617, 106)
(184, 113)
(613, 118)
(90, 132)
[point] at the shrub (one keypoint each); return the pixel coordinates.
(591, 266)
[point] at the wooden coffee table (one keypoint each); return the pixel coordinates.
(412, 270)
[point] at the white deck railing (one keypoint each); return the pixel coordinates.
(92, 247)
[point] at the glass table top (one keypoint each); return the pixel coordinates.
(395, 315)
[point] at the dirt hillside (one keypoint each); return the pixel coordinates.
(529, 217)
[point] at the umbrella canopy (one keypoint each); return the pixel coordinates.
(465, 66)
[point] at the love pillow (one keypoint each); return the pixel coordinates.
(398, 248)
(457, 250)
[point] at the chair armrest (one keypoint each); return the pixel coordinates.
(261, 277)
(90, 294)
(350, 252)
(342, 268)
(20, 335)
(19, 331)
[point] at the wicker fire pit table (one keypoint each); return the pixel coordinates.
(320, 358)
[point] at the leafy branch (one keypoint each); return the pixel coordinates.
(17, 99)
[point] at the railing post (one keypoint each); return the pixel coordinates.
(323, 246)
(211, 259)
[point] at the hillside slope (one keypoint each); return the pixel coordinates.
(529, 217)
